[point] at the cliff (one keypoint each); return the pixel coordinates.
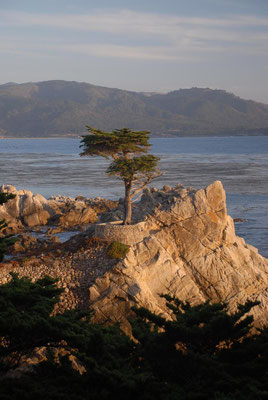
(182, 243)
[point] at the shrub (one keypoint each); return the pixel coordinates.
(117, 250)
(171, 359)
(5, 241)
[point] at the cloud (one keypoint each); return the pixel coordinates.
(181, 37)
(127, 21)
(40, 48)
(130, 52)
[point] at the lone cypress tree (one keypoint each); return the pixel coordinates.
(6, 240)
(130, 162)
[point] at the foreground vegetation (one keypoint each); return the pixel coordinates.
(203, 353)
(5, 240)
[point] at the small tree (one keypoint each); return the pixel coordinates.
(6, 240)
(130, 162)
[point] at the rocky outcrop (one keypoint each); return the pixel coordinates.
(182, 243)
(79, 211)
(189, 249)
(30, 210)
(25, 209)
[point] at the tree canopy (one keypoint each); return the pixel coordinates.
(131, 163)
(119, 142)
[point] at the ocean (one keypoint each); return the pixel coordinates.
(53, 166)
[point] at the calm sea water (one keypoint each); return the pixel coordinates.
(53, 166)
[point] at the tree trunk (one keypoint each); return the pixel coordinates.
(128, 208)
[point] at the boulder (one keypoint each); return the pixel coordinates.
(28, 209)
(77, 216)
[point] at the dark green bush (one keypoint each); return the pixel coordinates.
(117, 250)
(183, 358)
(5, 241)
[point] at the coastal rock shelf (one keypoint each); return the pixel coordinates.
(32, 210)
(182, 242)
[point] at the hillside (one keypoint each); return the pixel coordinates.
(60, 108)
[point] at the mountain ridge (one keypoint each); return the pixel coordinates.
(64, 108)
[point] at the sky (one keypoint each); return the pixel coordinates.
(138, 45)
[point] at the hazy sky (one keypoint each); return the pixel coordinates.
(141, 45)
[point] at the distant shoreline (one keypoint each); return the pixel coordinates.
(152, 136)
(41, 137)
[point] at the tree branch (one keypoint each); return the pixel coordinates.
(145, 183)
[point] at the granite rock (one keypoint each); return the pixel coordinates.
(182, 243)
(30, 210)
(189, 250)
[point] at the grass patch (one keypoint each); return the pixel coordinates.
(117, 250)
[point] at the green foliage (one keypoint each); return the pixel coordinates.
(104, 352)
(117, 250)
(117, 143)
(25, 309)
(4, 197)
(124, 147)
(5, 241)
(202, 353)
(203, 327)
(129, 169)
(9, 239)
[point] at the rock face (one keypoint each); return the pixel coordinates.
(30, 210)
(188, 249)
